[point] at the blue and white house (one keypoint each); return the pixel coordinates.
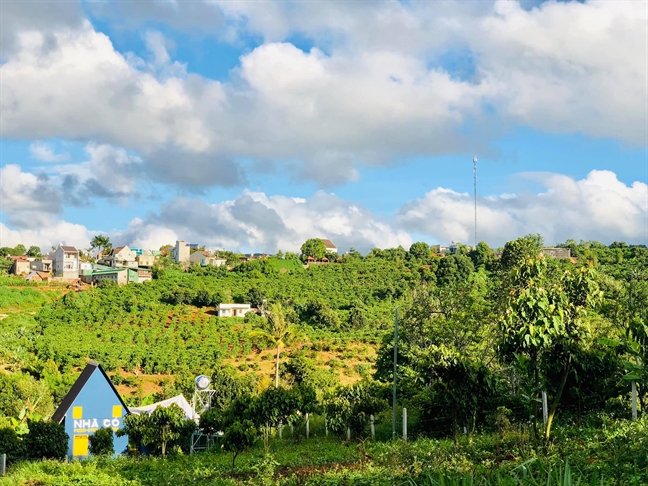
(92, 402)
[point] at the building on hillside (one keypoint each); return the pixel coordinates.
(330, 247)
(204, 258)
(121, 257)
(146, 259)
(36, 276)
(92, 402)
(120, 276)
(65, 262)
(182, 252)
(41, 265)
(453, 249)
(144, 275)
(233, 310)
(20, 265)
(440, 249)
(561, 253)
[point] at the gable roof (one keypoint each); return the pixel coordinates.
(68, 400)
(328, 243)
(68, 248)
(117, 250)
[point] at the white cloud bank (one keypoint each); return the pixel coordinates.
(598, 207)
(371, 99)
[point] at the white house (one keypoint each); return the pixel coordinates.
(233, 310)
(121, 257)
(181, 252)
(66, 262)
(204, 258)
(330, 247)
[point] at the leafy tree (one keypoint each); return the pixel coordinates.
(482, 255)
(544, 322)
(515, 252)
(239, 437)
(351, 407)
(11, 445)
(34, 252)
(314, 248)
(419, 250)
(19, 250)
(46, 440)
(454, 269)
(278, 331)
(102, 242)
(101, 442)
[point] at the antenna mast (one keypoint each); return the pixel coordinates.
(475, 173)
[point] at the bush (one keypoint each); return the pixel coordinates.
(243, 367)
(11, 445)
(46, 440)
(101, 442)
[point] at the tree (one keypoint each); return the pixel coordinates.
(278, 331)
(351, 407)
(19, 250)
(34, 251)
(515, 252)
(46, 440)
(454, 269)
(482, 255)
(101, 242)
(239, 437)
(101, 442)
(419, 250)
(544, 323)
(313, 248)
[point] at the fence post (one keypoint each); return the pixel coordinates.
(373, 427)
(404, 423)
(3, 464)
(325, 426)
(545, 408)
(281, 430)
(634, 400)
(307, 426)
(348, 433)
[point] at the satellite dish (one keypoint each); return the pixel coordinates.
(202, 382)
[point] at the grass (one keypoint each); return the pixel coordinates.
(488, 459)
(13, 299)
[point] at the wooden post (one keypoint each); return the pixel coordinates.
(545, 408)
(634, 400)
(348, 433)
(373, 427)
(292, 430)
(3, 464)
(404, 423)
(307, 426)
(325, 426)
(280, 430)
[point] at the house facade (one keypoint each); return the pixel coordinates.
(42, 265)
(66, 262)
(145, 259)
(20, 265)
(560, 253)
(92, 403)
(182, 252)
(330, 247)
(233, 310)
(204, 258)
(121, 257)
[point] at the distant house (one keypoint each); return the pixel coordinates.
(330, 247)
(92, 403)
(145, 259)
(120, 276)
(36, 276)
(440, 249)
(233, 310)
(65, 262)
(121, 257)
(41, 265)
(560, 253)
(204, 258)
(20, 265)
(182, 252)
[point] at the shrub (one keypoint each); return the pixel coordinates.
(46, 440)
(243, 367)
(11, 445)
(101, 442)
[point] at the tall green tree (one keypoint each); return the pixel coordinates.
(544, 323)
(278, 331)
(102, 242)
(34, 251)
(314, 248)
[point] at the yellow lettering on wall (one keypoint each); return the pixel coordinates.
(117, 411)
(77, 412)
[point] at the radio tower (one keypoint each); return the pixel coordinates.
(475, 173)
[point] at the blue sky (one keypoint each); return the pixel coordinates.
(255, 126)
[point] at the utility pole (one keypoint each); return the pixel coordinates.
(395, 361)
(475, 174)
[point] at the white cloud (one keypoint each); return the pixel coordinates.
(22, 192)
(598, 207)
(51, 233)
(45, 153)
(371, 99)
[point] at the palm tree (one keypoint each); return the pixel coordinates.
(277, 330)
(102, 242)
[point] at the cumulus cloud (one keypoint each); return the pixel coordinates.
(378, 91)
(45, 153)
(598, 207)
